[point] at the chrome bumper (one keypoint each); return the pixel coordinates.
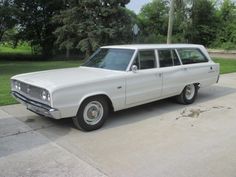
(37, 107)
(218, 78)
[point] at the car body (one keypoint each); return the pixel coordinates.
(123, 76)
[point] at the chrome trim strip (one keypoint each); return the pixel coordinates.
(36, 107)
(29, 101)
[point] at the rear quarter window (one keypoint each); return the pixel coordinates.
(191, 56)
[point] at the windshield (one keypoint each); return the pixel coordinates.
(113, 59)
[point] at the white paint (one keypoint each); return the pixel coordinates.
(70, 87)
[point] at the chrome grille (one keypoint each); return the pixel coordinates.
(30, 90)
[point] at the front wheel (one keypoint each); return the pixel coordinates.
(189, 94)
(92, 114)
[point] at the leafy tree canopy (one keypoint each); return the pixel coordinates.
(7, 16)
(35, 22)
(87, 24)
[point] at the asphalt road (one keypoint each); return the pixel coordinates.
(161, 139)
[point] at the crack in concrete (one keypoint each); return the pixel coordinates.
(28, 131)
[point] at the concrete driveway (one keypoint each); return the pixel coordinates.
(161, 139)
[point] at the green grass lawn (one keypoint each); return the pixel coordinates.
(226, 65)
(8, 69)
(22, 49)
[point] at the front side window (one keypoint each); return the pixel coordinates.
(145, 59)
(190, 56)
(112, 59)
(168, 57)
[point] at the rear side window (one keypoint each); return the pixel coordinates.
(145, 59)
(190, 56)
(168, 57)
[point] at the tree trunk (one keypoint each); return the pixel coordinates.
(1, 35)
(47, 49)
(67, 52)
(171, 20)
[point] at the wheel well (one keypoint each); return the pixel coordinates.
(111, 108)
(198, 85)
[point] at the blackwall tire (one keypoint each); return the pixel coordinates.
(188, 95)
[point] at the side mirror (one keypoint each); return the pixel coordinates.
(134, 68)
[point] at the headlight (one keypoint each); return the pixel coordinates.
(17, 85)
(45, 96)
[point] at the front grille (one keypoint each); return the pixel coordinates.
(30, 90)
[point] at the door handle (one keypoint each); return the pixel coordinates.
(185, 69)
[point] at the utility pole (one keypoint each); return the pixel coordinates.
(171, 19)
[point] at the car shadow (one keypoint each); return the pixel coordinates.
(149, 110)
(158, 108)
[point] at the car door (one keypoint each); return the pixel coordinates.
(146, 83)
(198, 68)
(173, 73)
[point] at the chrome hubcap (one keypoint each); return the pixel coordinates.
(93, 112)
(190, 90)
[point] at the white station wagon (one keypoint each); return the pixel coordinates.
(116, 78)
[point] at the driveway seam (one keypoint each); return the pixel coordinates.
(28, 131)
(76, 156)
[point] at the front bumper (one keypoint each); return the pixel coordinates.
(37, 107)
(218, 78)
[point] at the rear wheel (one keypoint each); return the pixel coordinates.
(189, 94)
(92, 114)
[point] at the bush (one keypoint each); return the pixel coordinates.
(20, 57)
(228, 46)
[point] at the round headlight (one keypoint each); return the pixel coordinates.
(16, 85)
(19, 86)
(49, 98)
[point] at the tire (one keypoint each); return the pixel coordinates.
(188, 95)
(92, 114)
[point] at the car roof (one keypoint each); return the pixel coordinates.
(152, 46)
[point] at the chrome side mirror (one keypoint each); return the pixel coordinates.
(134, 68)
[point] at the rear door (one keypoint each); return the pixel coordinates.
(173, 73)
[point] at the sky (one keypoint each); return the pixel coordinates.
(136, 5)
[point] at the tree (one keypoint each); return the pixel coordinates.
(87, 24)
(226, 30)
(154, 21)
(203, 25)
(7, 16)
(182, 20)
(35, 22)
(171, 21)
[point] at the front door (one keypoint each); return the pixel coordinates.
(146, 83)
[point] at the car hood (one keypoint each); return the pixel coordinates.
(59, 78)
